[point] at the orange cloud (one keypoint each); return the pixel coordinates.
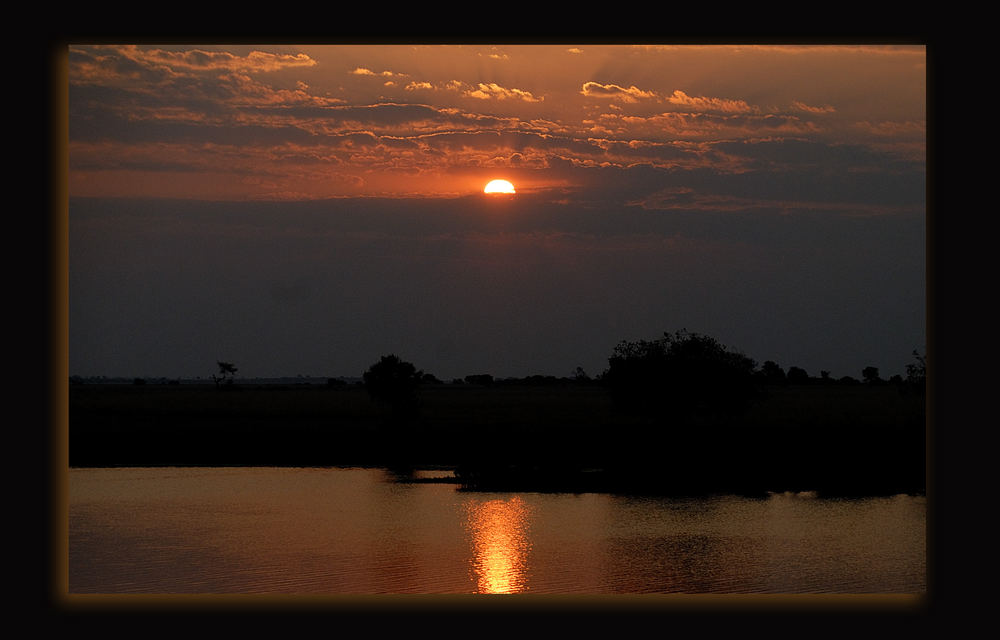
(801, 106)
(708, 104)
(700, 125)
(495, 54)
(615, 92)
(199, 60)
(363, 71)
(495, 91)
(245, 90)
(230, 123)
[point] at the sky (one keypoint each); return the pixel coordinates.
(306, 209)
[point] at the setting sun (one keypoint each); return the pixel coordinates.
(499, 186)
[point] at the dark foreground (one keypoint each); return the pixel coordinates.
(833, 439)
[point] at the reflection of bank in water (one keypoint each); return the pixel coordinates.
(500, 544)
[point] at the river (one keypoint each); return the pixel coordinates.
(274, 530)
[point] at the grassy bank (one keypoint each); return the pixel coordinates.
(847, 439)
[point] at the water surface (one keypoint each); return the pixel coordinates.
(359, 531)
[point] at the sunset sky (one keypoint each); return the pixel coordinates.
(305, 209)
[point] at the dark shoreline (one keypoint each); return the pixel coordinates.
(855, 440)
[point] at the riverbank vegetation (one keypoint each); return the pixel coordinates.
(681, 414)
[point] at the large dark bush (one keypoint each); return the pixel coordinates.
(680, 375)
(393, 382)
(797, 375)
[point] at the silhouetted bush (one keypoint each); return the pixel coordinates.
(797, 375)
(772, 373)
(393, 382)
(227, 373)
(680, 375)
(430, 378)
(485, 379)
(870, 375)
(916, 374)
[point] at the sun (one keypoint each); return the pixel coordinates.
(499, 186)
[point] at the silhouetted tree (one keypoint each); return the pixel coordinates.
(916, 373)
(680, 375)
(772, 372)
(870, 375)
(393, 382)
(430, 378)
(797, 375)
(227, 371)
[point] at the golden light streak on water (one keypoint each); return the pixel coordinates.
(500, 544)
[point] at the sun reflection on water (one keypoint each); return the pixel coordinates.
(500, 544)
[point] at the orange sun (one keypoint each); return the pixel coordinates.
(498, 186)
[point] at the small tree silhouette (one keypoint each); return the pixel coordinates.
(870, 375)
(772, 372)
(393, 382)
(797, 375)
(227, 371)
(916, 373)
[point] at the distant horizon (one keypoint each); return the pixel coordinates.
(884, 374)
